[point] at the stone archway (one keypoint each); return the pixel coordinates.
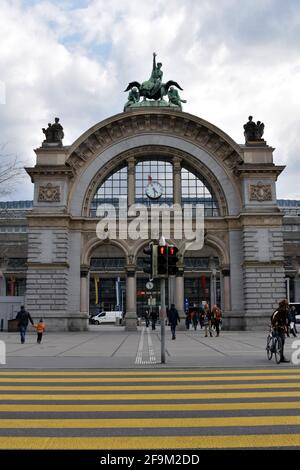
(60, 228)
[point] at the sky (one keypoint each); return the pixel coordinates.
(74, 58)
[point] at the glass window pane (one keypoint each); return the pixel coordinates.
(195, 190)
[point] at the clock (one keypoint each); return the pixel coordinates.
(154, 189)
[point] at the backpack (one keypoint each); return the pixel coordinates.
(218, 315)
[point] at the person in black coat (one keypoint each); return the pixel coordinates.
(23, 318)
(173, 320)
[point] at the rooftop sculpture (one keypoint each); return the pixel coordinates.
(54, 134)
(154, 89)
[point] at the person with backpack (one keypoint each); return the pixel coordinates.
(279, 321)
(23, 318)
(217, 317)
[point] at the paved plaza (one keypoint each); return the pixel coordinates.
(113, 347)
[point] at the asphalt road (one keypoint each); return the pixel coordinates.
(150, 409)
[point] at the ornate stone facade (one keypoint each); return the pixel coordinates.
(49, 193)
(260, 192)
(246, 241)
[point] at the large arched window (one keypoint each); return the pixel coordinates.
(152, 171)
(111, 190)
(197, 191)
(194, 189)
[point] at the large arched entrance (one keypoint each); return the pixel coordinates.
(194, 162)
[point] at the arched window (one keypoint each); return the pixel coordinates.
(196, 190)
(111, 190)
(154, 171)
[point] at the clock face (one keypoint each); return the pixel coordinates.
(154, 190)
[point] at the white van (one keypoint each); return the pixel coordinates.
(108, 317)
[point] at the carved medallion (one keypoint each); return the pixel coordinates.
(49, 193)
(260, 192)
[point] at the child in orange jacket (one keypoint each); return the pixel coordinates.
(40, 328)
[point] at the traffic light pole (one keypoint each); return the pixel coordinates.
(163, 318)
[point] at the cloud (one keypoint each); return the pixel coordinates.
(74, 59)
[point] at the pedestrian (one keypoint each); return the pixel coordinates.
(207, 320)
(40, 329)
(153, 316)
(194, 318)
(292, 320)
(147, 318)
(23, 318)
(173, 319)
(279, 321)
(217, 317)
(187, 319)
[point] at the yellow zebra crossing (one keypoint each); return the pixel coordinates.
(144, 409)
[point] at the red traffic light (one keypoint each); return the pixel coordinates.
(162, 250)
(172, 260)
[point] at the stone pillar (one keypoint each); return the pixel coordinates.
(2, 284)
(264, 275)
(297, 288)
(84, 275)
(179, 298)
(131, 317)
(177, 180)
(213, 288)
(226, 290)
(131, 180)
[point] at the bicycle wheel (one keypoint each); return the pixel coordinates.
(269, 347)
(278, 349)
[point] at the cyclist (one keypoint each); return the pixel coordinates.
(279, 321)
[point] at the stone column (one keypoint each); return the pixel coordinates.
(213, 288)
(226, 289)
(179, 298)
(2, 284)
(177, 180)
(131, 180)
(131, 317)
(84, 308)
(297, 288)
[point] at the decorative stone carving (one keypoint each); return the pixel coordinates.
(253, 132)
(260, 192)
(162, 122)
(49, 193)
(54, 134)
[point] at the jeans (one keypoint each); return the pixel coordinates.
(23, 333)
(173, 329)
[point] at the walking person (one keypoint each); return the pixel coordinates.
(23, 318)
(153, 316)
(279, 321)
(147, 318)
(207, 320)
(173, 320)
(217, 317)
(40, 329)
(292, 320)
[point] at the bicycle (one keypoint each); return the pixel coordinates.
(274, 345)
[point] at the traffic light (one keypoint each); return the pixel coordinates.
(162, 260)
(147, 261)
(172, 260)
(150, 262)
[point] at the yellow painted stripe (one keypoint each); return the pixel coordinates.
(277, 370)
(146, 396)
(149, 423)
(118, 388)
(153, 379)
(65, 408)
(151, 442)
